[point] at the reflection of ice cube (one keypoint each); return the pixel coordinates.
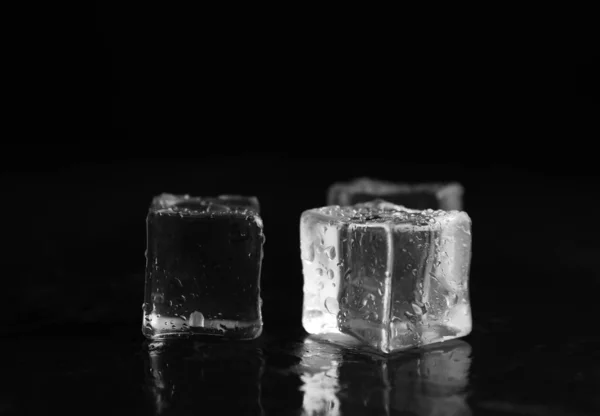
(392, 277)
(319, 374)
(435, 380)
(446, 196)
(204, 258)
(320, 393)
(428, 381)
(182, 376)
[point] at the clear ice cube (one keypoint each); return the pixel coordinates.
(446, 196)
(389, 276)
(203, 264)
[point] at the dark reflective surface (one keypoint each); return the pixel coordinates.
(115, 371)
(183, 377)
(342, 382)
(72, 344)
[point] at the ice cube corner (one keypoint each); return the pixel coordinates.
(203, 265)
(391, 277)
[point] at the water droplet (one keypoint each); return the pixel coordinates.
(330, 273)
(370, 316)
(347, 274)
(320, 285)
(158, 298)
(414, 272)
(331, 252)
(417, 309)
(333, 284)
(332, 306)
(196, 319)
(320, 271)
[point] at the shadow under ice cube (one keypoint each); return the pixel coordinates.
(203, 264)
(391, 277)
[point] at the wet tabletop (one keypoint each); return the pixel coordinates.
(72, 341)
(107, 370)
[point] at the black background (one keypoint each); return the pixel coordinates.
(116, 104)
(129, 101)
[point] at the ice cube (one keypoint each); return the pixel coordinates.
(203, 263)
(164, 201)
(446, 196)
(242, 201)
(389, 276)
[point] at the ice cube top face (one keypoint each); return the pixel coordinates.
(203, 264)
(222, 202)
(419, 196)
(391, 277)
